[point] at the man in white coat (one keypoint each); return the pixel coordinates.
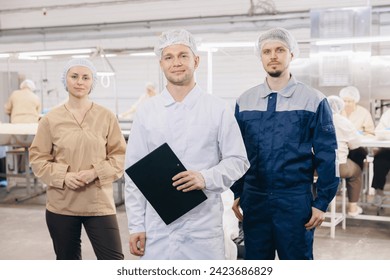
(202, 131)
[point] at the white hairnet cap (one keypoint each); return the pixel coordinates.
(350, 92)
(175, 37)
(277, 34)
(79, 62)
(27, 83)
(335, 103)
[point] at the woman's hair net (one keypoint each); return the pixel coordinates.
(79, 62)
(175, 37)
(335, 103)
(350, 92)
(277, 34)
(27, 83)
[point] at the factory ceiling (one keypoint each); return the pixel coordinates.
(43, 22)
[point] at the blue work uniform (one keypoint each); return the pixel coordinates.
(288, 135)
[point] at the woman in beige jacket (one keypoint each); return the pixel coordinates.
(78, 152)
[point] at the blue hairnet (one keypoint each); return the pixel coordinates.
(175, 37)
(79, 62)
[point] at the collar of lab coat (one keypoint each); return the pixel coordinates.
(189, 101)
(286, 92)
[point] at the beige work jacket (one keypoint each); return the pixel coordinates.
(63, 145)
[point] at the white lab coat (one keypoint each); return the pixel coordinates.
(362, 120)
(384, 121)
(230, 226)
(204, 134)
(348, 137)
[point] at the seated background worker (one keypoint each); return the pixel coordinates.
(357, 114)
(3, 181)
(23, 105)
(348, 138)
(381, 162)
(150, 92)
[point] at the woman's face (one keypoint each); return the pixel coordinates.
(79, 80)
(350, 104)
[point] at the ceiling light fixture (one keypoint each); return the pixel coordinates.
(105, 74)
(27, 57)
(143, 54)
(352, 40)
(56, 52)
(80, 56)
(228, 45)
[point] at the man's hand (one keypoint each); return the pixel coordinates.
(236, 209)
(137, 243)
(188, 181)
(317, 217)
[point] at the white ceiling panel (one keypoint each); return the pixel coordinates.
(135, 24)
(28, 14)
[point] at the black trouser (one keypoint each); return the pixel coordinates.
(2, 168)
(103, 232)
(381, 168)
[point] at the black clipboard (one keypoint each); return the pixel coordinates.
(153, 176)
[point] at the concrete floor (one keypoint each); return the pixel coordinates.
(24, 235)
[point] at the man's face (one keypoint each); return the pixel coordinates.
(178, 63)
(276, 58)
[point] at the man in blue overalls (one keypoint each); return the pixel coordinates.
(289, 134)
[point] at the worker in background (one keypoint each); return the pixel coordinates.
(288, 134)
(78, 152)
(201, 130)
(357, 114)
(150, 92)
(3, 181)
(23, 105)
(381, 162)
(348, 138)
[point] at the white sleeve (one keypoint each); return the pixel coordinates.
(134, 200)
(354, 138)
(384, 122)
(234, 162)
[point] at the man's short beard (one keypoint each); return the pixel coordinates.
(275, 74)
